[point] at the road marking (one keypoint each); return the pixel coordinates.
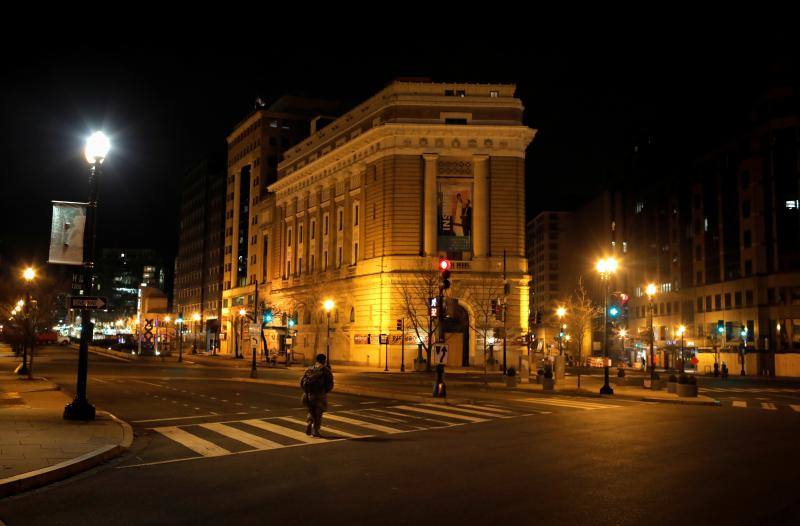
(326, 427)
(362, 423)
(366, 403)
(280, 430)
(254, 441)
(190, 441)
(367, 412)
(101, 381)
(768, 406)
(404, 415)
(739, 403)
(173, 418)
(487, 408)
(439, 413)
(149, 383)
(567, 403)
(471, 411)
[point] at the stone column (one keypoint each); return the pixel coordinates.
(430, 208)
(480, 206)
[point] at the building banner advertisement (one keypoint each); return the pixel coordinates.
(455, 217)
(66, 233)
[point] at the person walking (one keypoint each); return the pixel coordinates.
(316, 383)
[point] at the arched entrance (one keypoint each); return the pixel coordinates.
(456, 331)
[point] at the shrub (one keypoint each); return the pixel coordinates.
(621, 373)
(511, 372)
(673, 378)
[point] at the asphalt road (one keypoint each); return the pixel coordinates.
(212, 448)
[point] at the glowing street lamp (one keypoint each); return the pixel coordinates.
(651, 290)
(606, 267)
(24, 305)
(179, 329)
(195, 319)
(681, 332)
(328, 306)
(743, 334)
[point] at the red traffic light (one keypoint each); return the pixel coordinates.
(444, 264)
(624, 298)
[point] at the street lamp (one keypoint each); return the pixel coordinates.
(242, 314)
(195, 319)
(744, 345)
(97, 147)
(681, 332)
(328, 306)
(179, 328)
(606, 267)
(28, 275)
(650, 290)
(561, 312)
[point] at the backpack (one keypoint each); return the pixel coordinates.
(313, 381)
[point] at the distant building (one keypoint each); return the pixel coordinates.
(120, 272)
(199, 264)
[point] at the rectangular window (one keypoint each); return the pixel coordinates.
(311, 268)
(717, 302)
(737, 298)
(727, 300)
(299, 266)
(355, 253)
(288, 237)
(300, 234)
(325, 260)
(313, 230)
(748, 297)
(325, 225)
(341, 220)
(355, 219)
(339, 258)
(288, 268)
(708, 303)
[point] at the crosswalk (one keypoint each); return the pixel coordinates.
(765, 406)
(215, 439)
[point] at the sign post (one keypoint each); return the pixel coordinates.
(384, 339)
(440, 358)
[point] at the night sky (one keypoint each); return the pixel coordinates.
(167, 99)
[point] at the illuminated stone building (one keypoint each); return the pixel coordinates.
(365, 207)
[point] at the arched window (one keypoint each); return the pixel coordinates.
(352, 314)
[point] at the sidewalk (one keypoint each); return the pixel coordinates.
(37, 446)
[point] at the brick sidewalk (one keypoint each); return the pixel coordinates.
(37, 446)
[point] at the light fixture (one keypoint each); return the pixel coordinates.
(650, 290)
(328, 305)
(97, 146)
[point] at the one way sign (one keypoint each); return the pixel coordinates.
(87, 302)
(440, 353)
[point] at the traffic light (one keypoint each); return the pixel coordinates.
(720, 326)
(444, 269)
(268, 316)
(613, 312)
(291, 322)
(400, 324)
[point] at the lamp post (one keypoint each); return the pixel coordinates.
(195, 319)
(28, 275)
(97, 147)
(328, 306)
(606, 267)
(650, 290)
(179, 328)
(242, 314)
(744, 346)
(561, 312)
(623, 333)
(681, 332)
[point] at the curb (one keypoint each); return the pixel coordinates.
(44, 476)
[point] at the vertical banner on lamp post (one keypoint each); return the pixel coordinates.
(66, 233)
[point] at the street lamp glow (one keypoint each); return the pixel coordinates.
(607, 266)
(561, 312)
(650, 290)
(328, 305)
(97, 146)
(196, 316)
(242, 312)
(623, 333)
(681, 330)
(567, 337)
(167, 319)
(20, 303)
(29, 274)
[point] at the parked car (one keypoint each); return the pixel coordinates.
(51, 338)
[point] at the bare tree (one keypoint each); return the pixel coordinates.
(415, 290)
(309, 302)
(581, 311)
(480, 294)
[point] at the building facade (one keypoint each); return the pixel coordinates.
(199, 264)
(363, 209)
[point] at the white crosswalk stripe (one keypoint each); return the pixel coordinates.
(487, 408)
(362, 423)
(739, 403)
(563, 402)
(283, 431)
(246, 438)
(768, 406)
(193, 442)
(795, 407)
(470, 411)
(439, 413)
(325, 427)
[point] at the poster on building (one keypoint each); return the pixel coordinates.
(455, 218)
(66, 233)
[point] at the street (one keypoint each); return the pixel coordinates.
(212, 446)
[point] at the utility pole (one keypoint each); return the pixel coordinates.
(505, 310)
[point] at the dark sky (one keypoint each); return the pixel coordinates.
(167, 96)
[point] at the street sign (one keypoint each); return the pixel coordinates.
(87, 302)
(384, 339)
(440, 353)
